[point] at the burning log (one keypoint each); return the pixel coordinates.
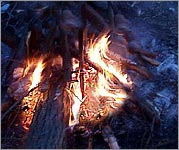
(51, 118)
(15, 104)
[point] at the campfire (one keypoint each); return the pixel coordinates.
(80, 88)
(103, 94)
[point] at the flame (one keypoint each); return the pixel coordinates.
(97, 53)
(78, 95)
(30, 101)
(36, 76)
(101, 85)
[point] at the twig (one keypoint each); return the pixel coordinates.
(150, 60)
(16, 103)
(66, 57)
(138, 69)
(82, 44)
(90, 140)
(74, 94)
(109, 137)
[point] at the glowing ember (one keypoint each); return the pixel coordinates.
(29, 102)
(99, 84)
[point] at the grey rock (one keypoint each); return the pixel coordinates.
(168, 67)
(164, 97)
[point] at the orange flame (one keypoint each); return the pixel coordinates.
(36, 76)
(99, 54)
(32, 98)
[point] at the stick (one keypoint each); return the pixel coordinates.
(15, 104)
(94, 17)
(134, 47)
(81, 59)
(150, 60)
(111, 14)
(90, 140)
(109, 137)
(66, 57)
(82, 45)
(138, 69)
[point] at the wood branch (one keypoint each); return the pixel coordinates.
(135, 47)
(109, 137)
(50, 120)
(90, 141)
(150, 60)
(111, 14)
(66, 56)
(94, 17)
(143, 71)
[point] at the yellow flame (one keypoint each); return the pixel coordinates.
(36, 76)
(99, 54)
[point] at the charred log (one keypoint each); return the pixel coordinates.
(51, 118)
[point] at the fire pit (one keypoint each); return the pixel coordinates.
(72, 76)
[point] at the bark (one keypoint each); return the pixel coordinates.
(66, 57)
(94, 17)
(50, 120)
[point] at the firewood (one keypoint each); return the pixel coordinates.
(69, 21)
(135, 47)
(66, 56)
(94, 17)
(109, 137)
(51, 118)
(120, 19)
(151, 61)
(15, 104)
(143, 71)
(111, 14)
(18, 72)
(90, 141)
